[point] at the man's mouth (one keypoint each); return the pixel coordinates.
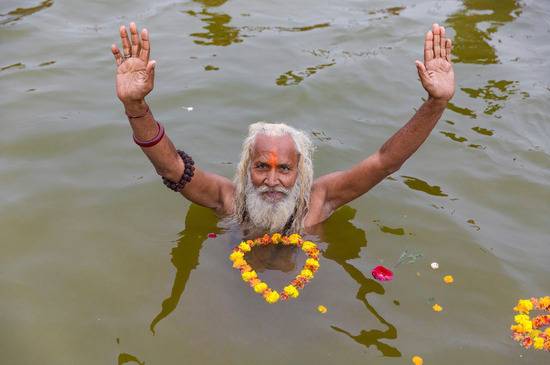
(273, 196)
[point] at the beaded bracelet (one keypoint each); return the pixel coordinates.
(188, 173)
(156, 139)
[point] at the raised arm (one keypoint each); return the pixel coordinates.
(437, 77)
(134, 80)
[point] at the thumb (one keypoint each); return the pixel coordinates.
(422, 72)
(150, 69)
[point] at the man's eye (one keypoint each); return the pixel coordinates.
(285, 168)
(261, 165)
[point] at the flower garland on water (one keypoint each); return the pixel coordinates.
(251, 277)
(528, 331)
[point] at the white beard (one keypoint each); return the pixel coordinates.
(272, 216)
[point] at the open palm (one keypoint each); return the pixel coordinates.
(436, 73)
(135, 73)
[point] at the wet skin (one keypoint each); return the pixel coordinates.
(274, 164)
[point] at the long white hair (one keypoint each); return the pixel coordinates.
(304, 146)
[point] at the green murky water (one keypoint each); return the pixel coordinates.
(99, 263)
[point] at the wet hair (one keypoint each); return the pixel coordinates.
(304, 147)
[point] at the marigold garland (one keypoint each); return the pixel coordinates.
(251, 277)
(528, 331)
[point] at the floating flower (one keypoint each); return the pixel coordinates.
(236, 255)
(251, 277)
(244, 247)
(294, 238)
(434, 265)
(276, 238)
(272, 297)
(291, 291)
(382, 273)
(322, 309)
(212, 235)
(448, 279)
(306, 274)
(260, 287)
(417, 360)
(524, 306)
(247, 275)
(312, 264)
(528, 332)
(437, 308)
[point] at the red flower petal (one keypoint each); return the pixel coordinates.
(382, 273)
(212, 235)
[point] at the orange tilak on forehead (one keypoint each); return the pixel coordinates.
(272, 159)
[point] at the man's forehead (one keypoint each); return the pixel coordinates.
(282, 146)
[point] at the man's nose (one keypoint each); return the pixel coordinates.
(271, 179)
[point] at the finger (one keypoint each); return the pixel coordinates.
(422, 72)
(442, 44)
(135, 40)
(125, 41)
(150, 68)
(437, 40)
(145, 46)
(448, 49)
(428, 47)
(116, 53)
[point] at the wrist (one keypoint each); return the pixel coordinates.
(136, 107)
(440, 102)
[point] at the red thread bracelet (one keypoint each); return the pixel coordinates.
(138, 116)
(154, 140)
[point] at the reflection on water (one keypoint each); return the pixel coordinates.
(185, 256)
(218, 32)
(421, 185)
(344, 243)
(453, 136)
(15, 65)
(474, 26)
(464, 111)
(125, 358)
(19, 13)
(294, 78)
(495, 93)
(396, 10)
(261, 28)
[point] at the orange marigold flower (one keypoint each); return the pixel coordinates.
(417, 360)
(448, 279)
(437, 308)
(322, 309)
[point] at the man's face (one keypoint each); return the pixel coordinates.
(274, 166)
(271, 189)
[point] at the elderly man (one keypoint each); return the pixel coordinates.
(274, 189)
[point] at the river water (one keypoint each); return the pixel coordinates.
(101, 264)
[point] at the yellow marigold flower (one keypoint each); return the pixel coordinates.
(312, 263)
(238, 263)
(547, 331)
(308, 246)
(276, 238)
(518, 318)
(294, 238)
(236, 255)
(538, 343)
(322, 309)
(524, 306)
(260, 287)
(437, 308)
(534, 333)
(291, 291)
(247, 275)
(244, 247)
(448, 279)
(272, 297)
(417, 360)
(544, 302)
(306, 274)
